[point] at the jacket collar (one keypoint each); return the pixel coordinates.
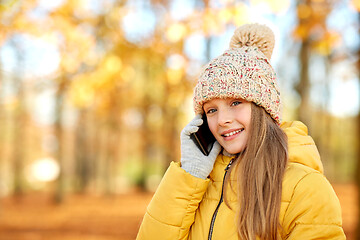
(302, 148)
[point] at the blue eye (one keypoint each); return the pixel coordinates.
(235, 103)
(212, 110)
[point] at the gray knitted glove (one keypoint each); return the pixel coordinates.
(193, 160)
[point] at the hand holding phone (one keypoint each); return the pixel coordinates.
(198, 163)
(203, 138)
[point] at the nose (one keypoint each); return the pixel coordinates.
(224, 117)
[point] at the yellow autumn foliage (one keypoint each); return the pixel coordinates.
(176, 32)
(276, 6)
(355, 4)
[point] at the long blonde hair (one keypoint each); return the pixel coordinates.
(259, 170)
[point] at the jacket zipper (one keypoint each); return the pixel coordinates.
(220, 201)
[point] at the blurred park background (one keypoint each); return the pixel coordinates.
(94, 94)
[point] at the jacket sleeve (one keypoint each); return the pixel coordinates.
(171, 211)
(314, 211)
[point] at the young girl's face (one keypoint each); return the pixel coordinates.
(229, 121)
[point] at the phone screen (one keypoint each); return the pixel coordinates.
(203, 138)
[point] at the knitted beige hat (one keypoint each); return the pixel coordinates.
(243, 71)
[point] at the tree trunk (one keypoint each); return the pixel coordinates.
(59, 195)
(303, 87)
(84, 158)
(19, 125)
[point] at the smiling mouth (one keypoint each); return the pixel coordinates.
(233, 133)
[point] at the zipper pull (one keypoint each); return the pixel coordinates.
(229, 165)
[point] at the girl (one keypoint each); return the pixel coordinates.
(263, 179)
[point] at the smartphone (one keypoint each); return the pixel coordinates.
(203, 138)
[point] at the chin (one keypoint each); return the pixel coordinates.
(234, 150)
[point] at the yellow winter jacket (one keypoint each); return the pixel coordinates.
(183, 205)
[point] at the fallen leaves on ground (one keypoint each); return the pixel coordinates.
(89, 217)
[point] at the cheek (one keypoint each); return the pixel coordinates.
(245, 115)
(212, 125)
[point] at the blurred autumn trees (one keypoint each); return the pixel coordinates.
(322, 50)
(121, 89)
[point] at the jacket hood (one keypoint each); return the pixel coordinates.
(302, 148)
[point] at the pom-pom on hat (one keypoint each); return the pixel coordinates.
(243, 71)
